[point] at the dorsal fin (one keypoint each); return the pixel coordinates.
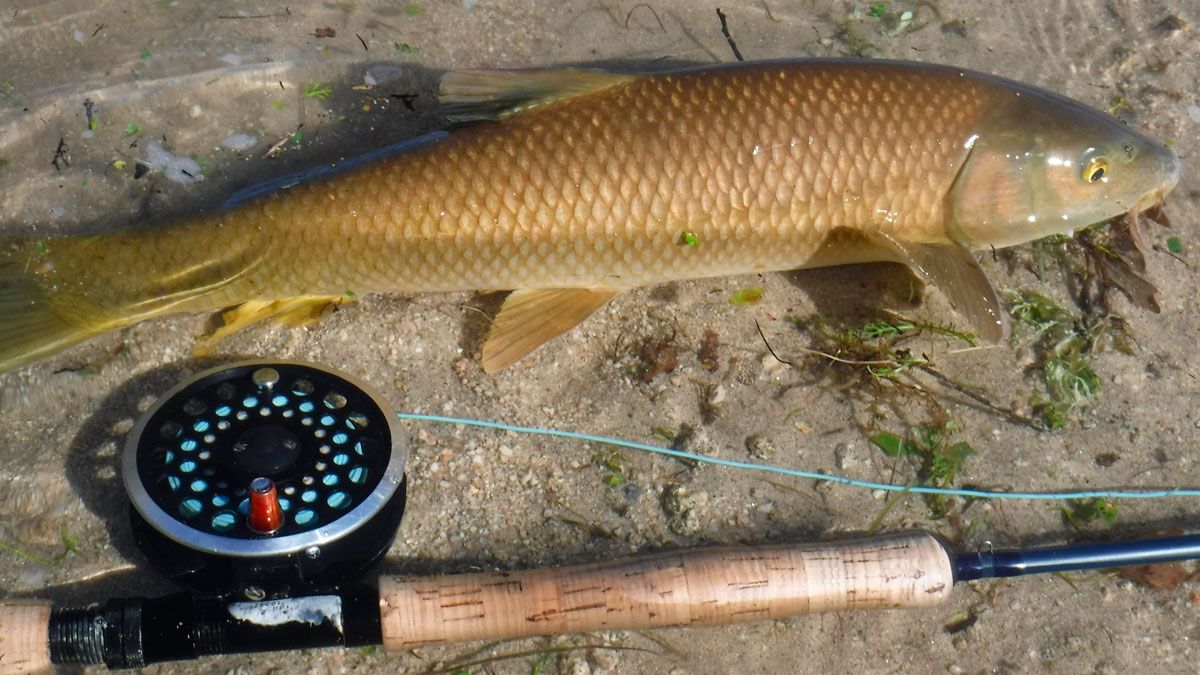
(467, 95)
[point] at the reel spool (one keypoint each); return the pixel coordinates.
(266, 479)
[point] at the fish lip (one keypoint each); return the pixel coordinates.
(1172, 167)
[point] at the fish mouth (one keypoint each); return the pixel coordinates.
(1151, 203)
(1153, 200)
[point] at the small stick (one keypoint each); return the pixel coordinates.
(62, 155)
(285, 12)
(729, 38)
(768, 344)
(767, 9)
(652, 11)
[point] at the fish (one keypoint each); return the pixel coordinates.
(569, 186)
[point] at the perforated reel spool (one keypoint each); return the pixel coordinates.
(198, 464)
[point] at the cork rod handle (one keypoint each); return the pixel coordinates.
(686, 588)
(23, 629)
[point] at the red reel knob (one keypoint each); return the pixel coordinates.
(265, 515)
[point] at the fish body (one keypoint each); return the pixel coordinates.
(572, 186)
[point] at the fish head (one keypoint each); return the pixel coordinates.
(1043, 164)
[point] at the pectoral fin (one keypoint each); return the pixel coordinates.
(298, 311)
(950, 267)
(529, 318)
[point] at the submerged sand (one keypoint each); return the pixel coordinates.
(205, 90)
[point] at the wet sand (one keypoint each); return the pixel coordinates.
(207, 89)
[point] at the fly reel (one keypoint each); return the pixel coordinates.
(265, 479)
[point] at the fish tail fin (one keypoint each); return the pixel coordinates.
(31, 325)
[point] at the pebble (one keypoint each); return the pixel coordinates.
(843, 456)
(239, 141)
(573, 664)
(604, 659)
(684, 510)
(760, 447)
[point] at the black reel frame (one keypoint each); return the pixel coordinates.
(331, 447)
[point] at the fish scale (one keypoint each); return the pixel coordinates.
(767, 165)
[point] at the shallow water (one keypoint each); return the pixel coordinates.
(202, 92)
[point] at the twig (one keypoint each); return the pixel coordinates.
(662, 642)
(466, 665)
(768, 344)
(729, 38)
(974, 348)
(848, 362)
(977, 397)
(364, 42)
(652, 11)
(61, 154)
(275, 148)
(285, 12)
(767, 9)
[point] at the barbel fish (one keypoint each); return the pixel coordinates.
(570, 186)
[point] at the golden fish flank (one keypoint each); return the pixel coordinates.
(575, 185)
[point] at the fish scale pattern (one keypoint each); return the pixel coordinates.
(760, 163)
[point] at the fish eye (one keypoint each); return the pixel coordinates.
(1130, 150)
(1094, 169)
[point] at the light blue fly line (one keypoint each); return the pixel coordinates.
(797, 473)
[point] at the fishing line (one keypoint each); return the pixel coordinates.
(798, 473)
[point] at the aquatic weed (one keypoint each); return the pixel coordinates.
(68, 542)
(1080, 512)
(9, 93)
(612, 464)
(876, 347)
(655, 355)
(1065, 345)
(939, 460)
(747, 296)
(319, 91)
(887, 20)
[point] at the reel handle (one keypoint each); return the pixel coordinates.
(684, 588)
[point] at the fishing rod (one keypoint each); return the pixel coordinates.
(267, 490)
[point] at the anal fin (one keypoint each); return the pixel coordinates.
(301, 310)
(529, 318)
(949, 266)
